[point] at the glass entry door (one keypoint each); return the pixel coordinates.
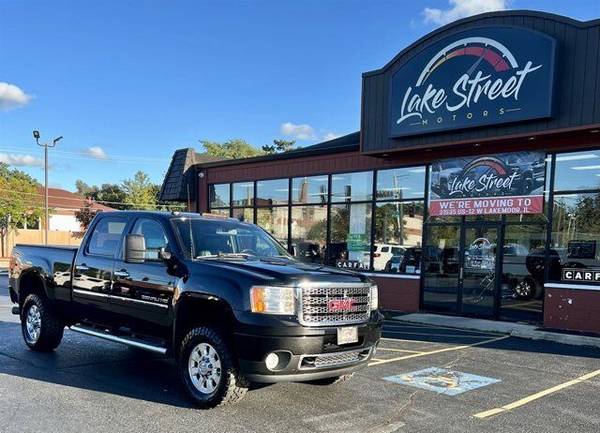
(479, 271)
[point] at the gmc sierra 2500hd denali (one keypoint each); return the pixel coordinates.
(219, 295)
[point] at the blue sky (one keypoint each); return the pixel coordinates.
(128, 82)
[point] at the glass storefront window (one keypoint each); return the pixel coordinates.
(522, 280)
(272, 192)
(575, 238)
(243, 194)
(352, 186)
(223, 212)
(309, 233)
(275, 221)
(219, 195)
(440, 269)
(350, 236)
(398, 235)
(577, 171)
(244, 214)
(312, 189)
(401, 183)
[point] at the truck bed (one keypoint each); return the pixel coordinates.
(52, 262)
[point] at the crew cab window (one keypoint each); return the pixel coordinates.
(106, 236)
(204, 238)
(154, 235)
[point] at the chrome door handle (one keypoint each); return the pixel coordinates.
(122, 274)
(82, 268)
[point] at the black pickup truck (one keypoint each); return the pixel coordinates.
(220, 296)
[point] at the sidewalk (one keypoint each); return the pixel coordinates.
(514, 329)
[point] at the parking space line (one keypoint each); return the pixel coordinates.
(433, 352)
(536, 396)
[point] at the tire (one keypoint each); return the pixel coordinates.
(333, 380)
(41, 327)
(208, 371)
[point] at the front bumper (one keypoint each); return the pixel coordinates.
(307, 353)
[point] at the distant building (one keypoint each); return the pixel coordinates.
(64, 229)
(63, 205)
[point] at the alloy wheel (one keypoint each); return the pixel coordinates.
(204, 368)
(33, 324)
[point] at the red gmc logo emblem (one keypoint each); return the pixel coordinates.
(337, 305)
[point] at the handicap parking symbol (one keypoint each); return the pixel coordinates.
(442, 380)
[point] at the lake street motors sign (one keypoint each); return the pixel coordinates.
(502, 184)
(481, 76)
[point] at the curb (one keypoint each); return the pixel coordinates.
(519, 330)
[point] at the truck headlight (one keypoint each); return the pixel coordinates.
(272, 300)
(374, 297)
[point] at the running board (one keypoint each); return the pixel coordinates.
(123, 340)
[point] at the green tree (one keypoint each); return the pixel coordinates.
(84, 189)
(279, 146)
(112, 195)
(140, 192)
(19, 201)
(231, 149)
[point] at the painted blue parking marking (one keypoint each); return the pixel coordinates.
(442, 380)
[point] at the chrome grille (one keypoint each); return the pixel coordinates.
(325, 360)
(315, 300)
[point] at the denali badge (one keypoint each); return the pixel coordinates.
(340, 305)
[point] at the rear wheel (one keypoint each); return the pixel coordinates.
(41, 327)
(333, 380)
(207, 369)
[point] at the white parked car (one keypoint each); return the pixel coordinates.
(383, 253)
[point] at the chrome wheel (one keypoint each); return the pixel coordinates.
(33, 324)
(204, 368)
(524, 289)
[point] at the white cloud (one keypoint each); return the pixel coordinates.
(12, 96)
(96, 152)
(305, 132)
(299, 132)
(330, 136)
(21, 160)
(461, 9)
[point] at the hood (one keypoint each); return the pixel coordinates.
(285, 271)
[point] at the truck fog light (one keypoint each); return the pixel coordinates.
(271, 361)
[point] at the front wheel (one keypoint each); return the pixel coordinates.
(42, 329)
(208, 371)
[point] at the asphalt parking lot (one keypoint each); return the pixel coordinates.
(472, 382)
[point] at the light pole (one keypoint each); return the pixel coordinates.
(36, 135)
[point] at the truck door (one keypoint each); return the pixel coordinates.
(144, 290)
(93, 270)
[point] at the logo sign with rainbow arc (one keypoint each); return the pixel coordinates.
(477, 77)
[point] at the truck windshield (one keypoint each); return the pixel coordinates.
(204, 239)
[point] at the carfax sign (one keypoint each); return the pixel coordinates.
(481, 76)
(510, 183)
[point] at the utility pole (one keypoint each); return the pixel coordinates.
(36, 135)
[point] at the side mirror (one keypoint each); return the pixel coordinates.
(135, 248)
(163, 254)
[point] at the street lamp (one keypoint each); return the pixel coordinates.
(36, 135)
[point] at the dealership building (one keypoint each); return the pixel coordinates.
(472, 187)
